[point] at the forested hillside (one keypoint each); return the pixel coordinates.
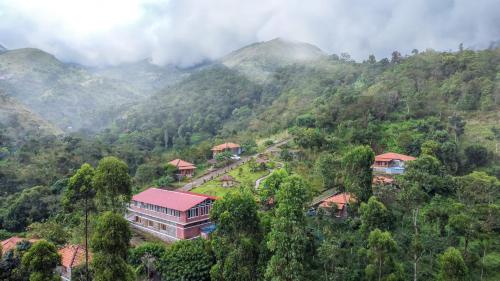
(437, 221)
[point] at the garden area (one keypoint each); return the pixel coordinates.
(243, 175)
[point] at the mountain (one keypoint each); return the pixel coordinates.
(73, 96)
(143, 75)
(17, 122)
(2, 49)
(259, 60)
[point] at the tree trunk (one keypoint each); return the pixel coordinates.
(380, 269)
(415, 255)
(86, 240)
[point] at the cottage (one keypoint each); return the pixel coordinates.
(170, 215)
(391, 163)
(234, 148)
(10, 244)
(227, 181)
(71, 257)
(184, 168)
(339, 202)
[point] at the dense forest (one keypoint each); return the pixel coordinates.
(439, 221)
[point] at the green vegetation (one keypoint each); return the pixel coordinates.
(438, 221)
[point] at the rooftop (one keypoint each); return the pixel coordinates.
(11, 243)
(72, 255)
(386, 157)
(339, 199)
(177, 200)
(227, 145)
(182, 165)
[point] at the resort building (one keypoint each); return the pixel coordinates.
(170, 215)
(10, 244)
(391, 163)
(184, 168)
(234, 148)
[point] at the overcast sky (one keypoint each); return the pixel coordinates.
(185, 32)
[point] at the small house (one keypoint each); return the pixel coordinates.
(391, 163)
(338, 204)
(227, 181)
(234, 148)
(184, 168)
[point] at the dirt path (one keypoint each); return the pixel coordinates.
(218, 172)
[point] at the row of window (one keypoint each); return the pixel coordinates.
(158, 209)
(200, 209)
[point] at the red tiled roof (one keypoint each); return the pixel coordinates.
(11, 243)
(177, 200)
(182, 165)
(72, 255)
(386, 157)
(225, 146)
(339, 200)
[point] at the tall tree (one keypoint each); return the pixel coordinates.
(237, 237)
(110, 243)
(112, 183)
(41, 261)
(381, 252)
(288, 237)
(81, 192)
(358, 172)
(452, 266)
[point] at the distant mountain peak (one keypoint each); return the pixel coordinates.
(2, 48)
(258, 60)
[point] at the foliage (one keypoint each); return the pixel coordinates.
(187, 260)
(288, 238)
(109, 243)
(41, 260)
(145, 258)
(381, 255)
(452, 266)
(112, 183)
(358, 172)
(374, 215)
(236, 238)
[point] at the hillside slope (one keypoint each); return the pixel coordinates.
(17, 123)
(73, 96)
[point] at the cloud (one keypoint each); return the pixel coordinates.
(185, 32)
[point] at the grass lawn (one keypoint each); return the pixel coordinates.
(242, 174)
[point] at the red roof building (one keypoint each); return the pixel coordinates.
(170, 215)
(10, 244)
(339, 202)
(184, 168)
(391, 163)
(234, 148)
(71, 256)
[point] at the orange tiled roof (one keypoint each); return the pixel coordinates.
(225, 146)
(339, 199)
(386, 157)
(182, 165)
(72, 255)
(11, 243)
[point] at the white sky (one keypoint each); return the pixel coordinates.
(185, 32)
